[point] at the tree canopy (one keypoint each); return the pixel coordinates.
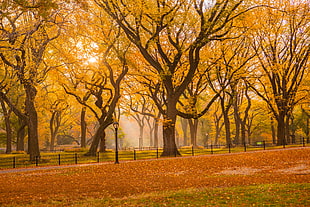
(75, 67)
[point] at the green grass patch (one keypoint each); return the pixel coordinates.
(258, 195)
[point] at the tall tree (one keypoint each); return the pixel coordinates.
(170, 36)
(94, 76)
(229, 64)
(283, 51)
(26, 30)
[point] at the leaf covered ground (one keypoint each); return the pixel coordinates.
(66, 186)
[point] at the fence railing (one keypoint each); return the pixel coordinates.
(63, 158)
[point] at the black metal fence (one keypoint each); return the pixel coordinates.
(63, 158)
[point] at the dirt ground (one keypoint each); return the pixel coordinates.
(139, 177)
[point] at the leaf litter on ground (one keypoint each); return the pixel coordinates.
(117, 181)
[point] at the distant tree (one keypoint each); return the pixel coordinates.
(228, 69)
(282, 48)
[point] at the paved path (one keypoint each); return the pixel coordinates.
(30, 169)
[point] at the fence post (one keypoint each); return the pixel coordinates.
(76, 158)
(264, 143)
(98, 157)
(37, 160)
(193, 153)
(303, 142)
(157, 153)
(134, 155)
(244, 146)
(229, 150)
(58, 159)
(14, 162)
(211, 149)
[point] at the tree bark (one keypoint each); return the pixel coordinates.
(8, 128)
(170, 148)
(32, 120)
(193, 125)
(184, 125)
(156, 127)
(287, 129)
(281, 129)
(141, 130)
(218, 126)
(273, 131)
(226, 122)
(54, 127)
(243, 132)
(307, 130)
(53, 131)
(237, 123)
(102, 147)
(83, 127)
(96, 140)
(20, 142)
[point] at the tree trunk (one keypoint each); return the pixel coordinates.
(193, 125)
(99, 137)
(156, 127)
(151, 137)
(96, 140)
(141, 130)
(281, 129)
(170, 148)
(20, 142)
(243, 132)
(227, 129)
(53, 137)
(8, 128)
(237, 123)
(287, 130)
(83, 127)
(273, 131)
(218, 127)
(32, 121)
(54, 126)
(184, 125)
(102, 143)
(217, 133)
(226, 122)
(307, 130)
(150, 123)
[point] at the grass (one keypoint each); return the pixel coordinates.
(255, 195)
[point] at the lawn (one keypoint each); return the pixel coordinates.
(263, 178)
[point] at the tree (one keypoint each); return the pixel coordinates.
(241, 97)
(218, 124)
(8, 128)
(282, 48)
(170, 36)
(94, 76)
(57, 109)
(26, 30)
(229, 68)
(142, 112)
